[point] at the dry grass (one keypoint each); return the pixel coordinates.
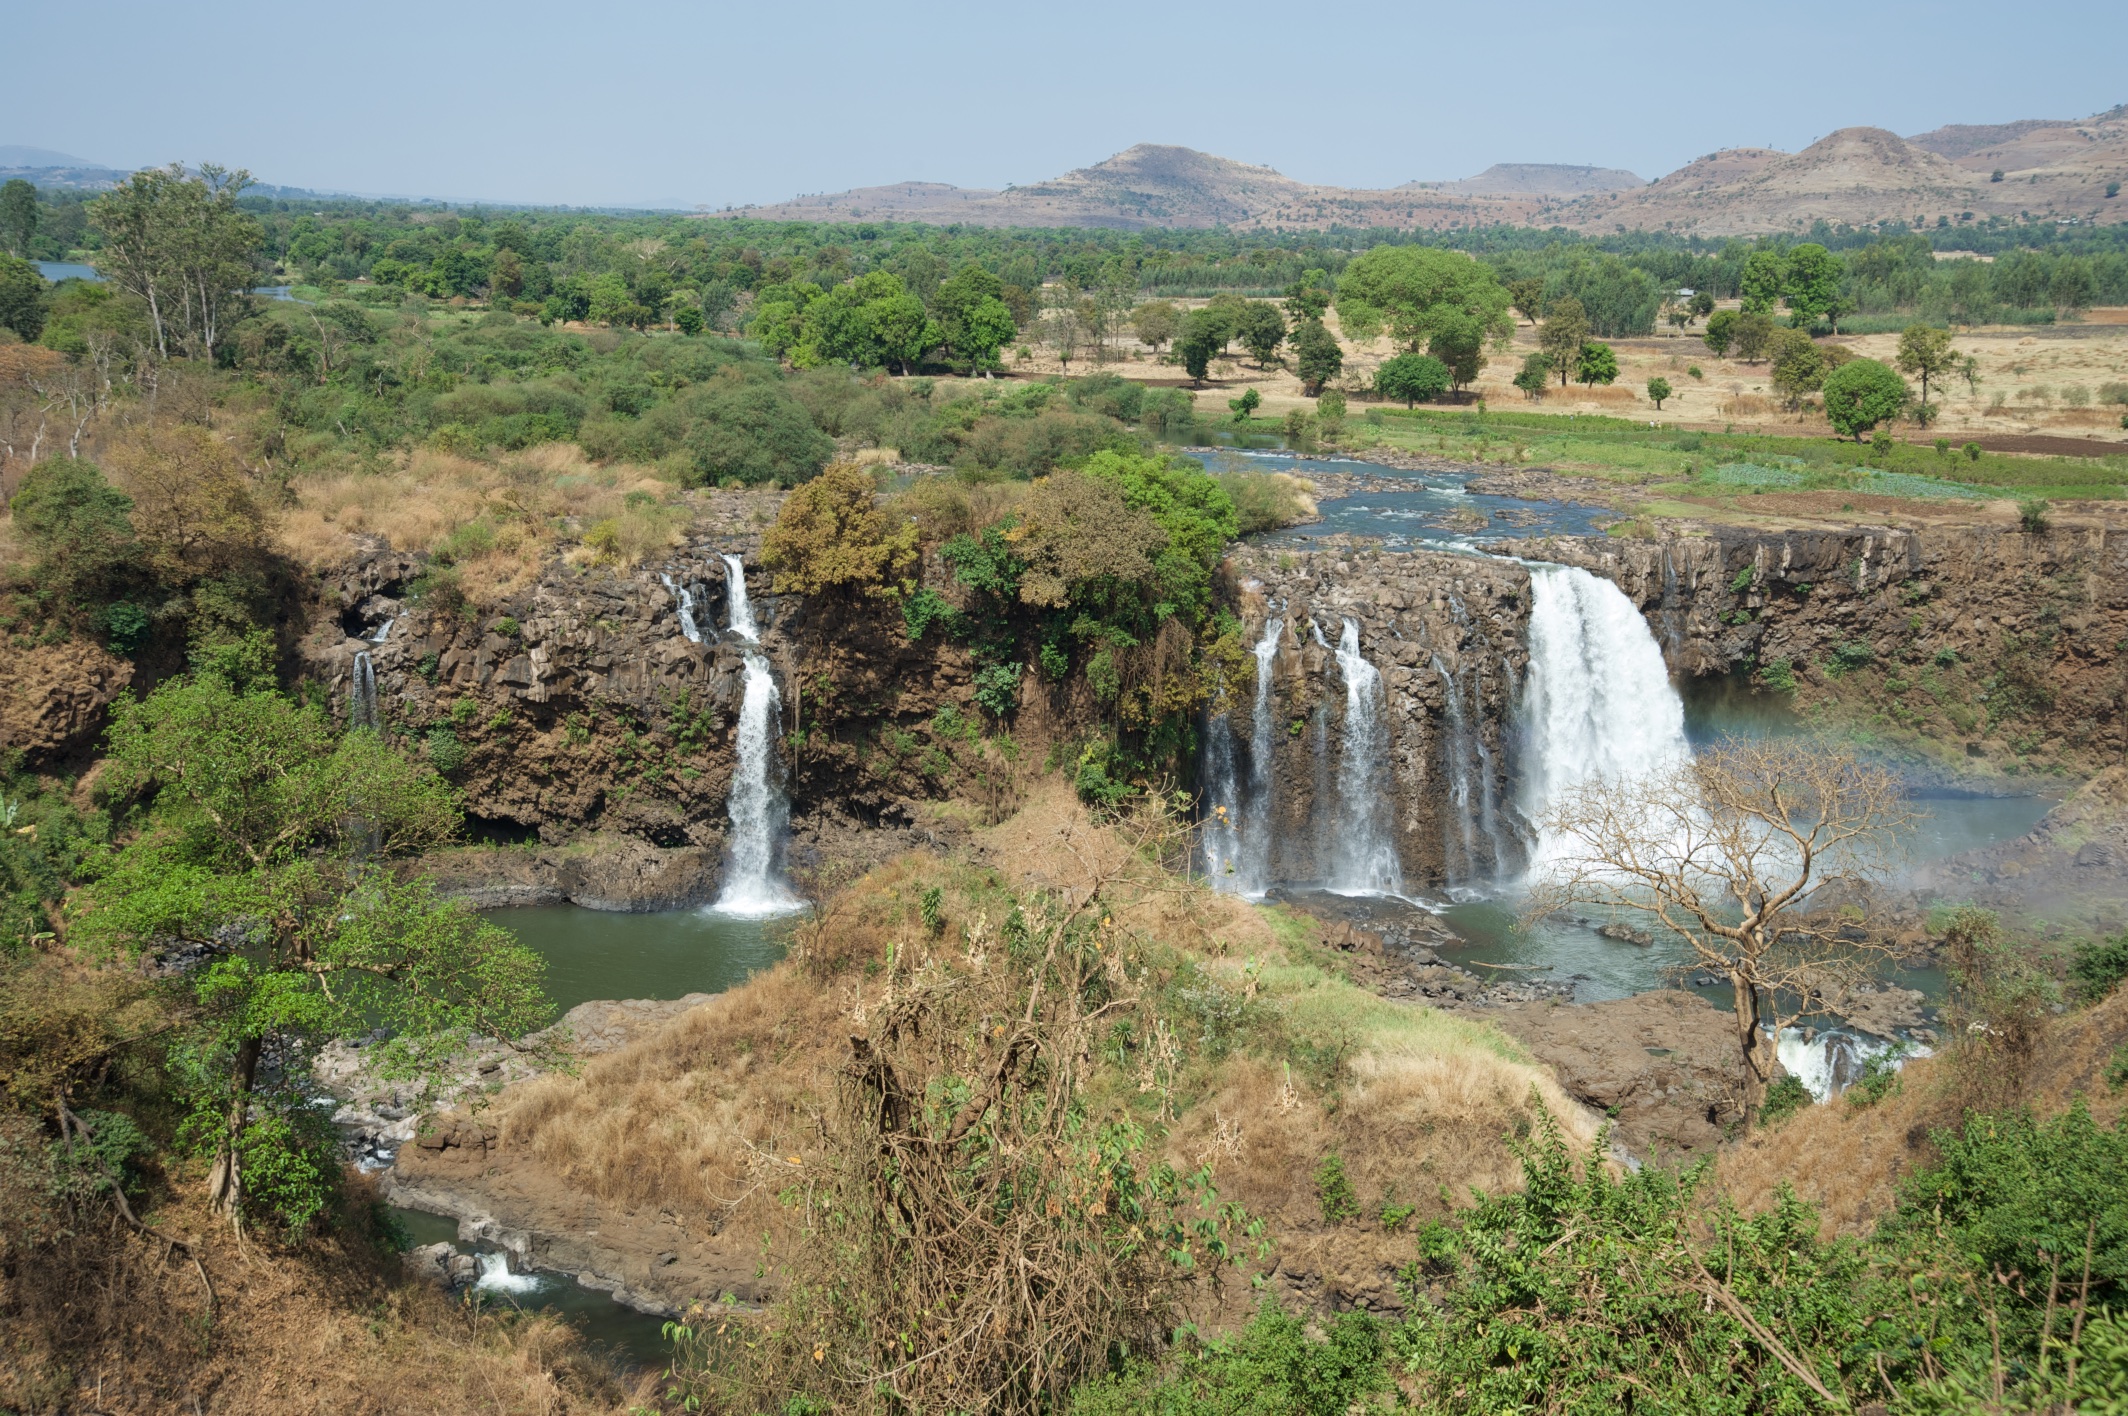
(498, 521)
(108, 1322)
(1848, 1160)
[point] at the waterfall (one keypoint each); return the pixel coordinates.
(686, 600)
(741, 612)
(1457, 753)
(1598, 701)
(497, 1277)
(1366, 858)
(1222, 821)
(386, 632)
(362, 693)
(1237, 844)
(1263, 741)
(759, 814)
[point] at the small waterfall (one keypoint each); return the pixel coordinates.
(1457, 752)
(1598, 702)
(1263, 742)
(1237, 842)
(1833, 1060)
(496, 1277)
(741, 613)
(1222, 790)
(1366, 858)
(760, 816)
(385, 633)
(686, 600)
(362, 693)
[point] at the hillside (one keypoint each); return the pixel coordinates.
(1858, 175)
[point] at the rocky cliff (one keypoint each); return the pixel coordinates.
(1449, 635)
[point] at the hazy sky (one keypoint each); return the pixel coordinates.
(678, 104)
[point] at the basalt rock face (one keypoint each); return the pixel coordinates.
(2004, 643)
(1449, 636)
(54, 701)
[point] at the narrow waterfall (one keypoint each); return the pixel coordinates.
(1237, 840)
(362, 693)
(760, 816)
(1365, 859)
(1598, 701)
(385, 633)
(1459, 835)
(1263, 741)
(1223, 804)
(686, 601)
(740, 616)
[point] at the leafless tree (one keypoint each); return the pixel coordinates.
(1754, 853)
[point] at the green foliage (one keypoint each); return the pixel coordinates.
(445, 752)
(1417, 293)
(1272, 1367)
(78, 530)
(1720, 332)
(1778, 675)
(1244, 407)
(1879, 1078)
(2099, 965)
(1536, 371)
(1596, 363)
(1861, 394)
(1658, 390)
(2032, 515)
(22, 296)
(1317, 356)
(1784, 1098)
(1411, 377)
(1334, 1192)
(831, 537)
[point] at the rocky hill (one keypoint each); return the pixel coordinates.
(1855, 175)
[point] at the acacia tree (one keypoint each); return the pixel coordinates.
(264, 845)
(1566, 328)
(180, 243)
(1926, 353)
(1740, 853)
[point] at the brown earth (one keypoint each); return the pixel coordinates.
(53, 699)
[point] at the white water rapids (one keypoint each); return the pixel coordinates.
(760, 816)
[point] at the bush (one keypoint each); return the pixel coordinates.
(1409, 378)
(1783, 1099)
(1334, 1192)
(78, 530)
(1275, 1364)
(2032, 515)
(832, 536)
(1265, 501)
(2099, 966)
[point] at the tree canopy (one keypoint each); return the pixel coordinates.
(1416, 292)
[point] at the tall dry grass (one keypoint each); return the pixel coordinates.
(499, 521)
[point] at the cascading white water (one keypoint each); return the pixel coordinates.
(686, 602)
(385, 633)
(759, 814)
(497, 1277)
(1598, 703)
(1365, 859)
(1237, 840)
(362, 693)
(1833, 1060)
(1458, 753)
(1256, 826)
(739, 614)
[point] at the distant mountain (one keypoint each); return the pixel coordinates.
(1857, 176)
(12, 155)
(1540, 179)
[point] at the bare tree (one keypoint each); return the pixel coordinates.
(1749, 853)
(180, 243)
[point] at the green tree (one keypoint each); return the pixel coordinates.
(688, 320)
(1596, 363)
(1810, 278)
(974, 321)
(181, 244)
(1753, 334)
(778, 320)
(22, 294)
(78, 531)
(1658, 390)
(18, 215)
(1764, 276)
(1203, 335)
(1566, 329)
(1155, 323)
(1702, 303)
(1317, 356)
(1412, 291)
(1535, 372)
(1309, 297)
(1411, 377)
(1261, 329)
(1458, 342)
(1926, 353)
(1244, 407)
(1798, 366)
(752, 433)
(1527, 297)
(1861, 394)
(832, 537)
(269, 830)
(1721, 332)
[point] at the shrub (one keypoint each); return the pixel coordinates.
(1783, 1099)
(2032, 515)
(1278, 1363)
(1334, 1192)
(446, 753)
(2099, 966)
(832, 536)
(1265, 501)
(1972, 452)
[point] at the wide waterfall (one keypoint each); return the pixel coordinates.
(1598, 702)
(1364, 860)
(686, 602)
(760, 816)
(362, 693)
(1237, 841)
